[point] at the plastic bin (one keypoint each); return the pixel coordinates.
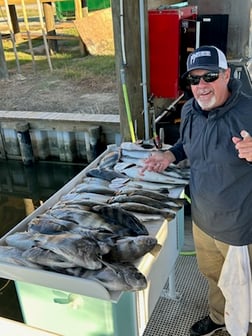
(97, 4)
(66, 9)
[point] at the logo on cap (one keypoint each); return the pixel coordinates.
(203, 53)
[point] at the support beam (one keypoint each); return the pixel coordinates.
(50, 25)
(127, 38)
(3, 66)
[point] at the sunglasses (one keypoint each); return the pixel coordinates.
(209, 77)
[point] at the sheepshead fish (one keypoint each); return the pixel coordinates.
(86, 219)
(82, 251)
(21, 240)
(130, 248)
(118, 216)
(49, 224)
(13, 255)
(91, 220)
(118, 277)
(43, 257)
(73, 247)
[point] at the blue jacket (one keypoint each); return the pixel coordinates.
(221, 182)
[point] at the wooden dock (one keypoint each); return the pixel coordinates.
(66, 137)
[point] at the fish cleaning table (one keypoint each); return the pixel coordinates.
(62, 303)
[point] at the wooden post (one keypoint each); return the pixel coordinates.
(84, 7)
(50, 25)
(3, 66)
(133, 74)
(14, 20)
(79, 13)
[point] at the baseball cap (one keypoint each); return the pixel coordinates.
(206, 58)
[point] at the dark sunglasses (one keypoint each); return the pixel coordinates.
(209, 77)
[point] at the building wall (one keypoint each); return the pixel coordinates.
(239, 30)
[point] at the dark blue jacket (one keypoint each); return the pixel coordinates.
(221, 182)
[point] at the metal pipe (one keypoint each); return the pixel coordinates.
(197, 43)
(169, 108)
(122, 33)
(143, 65)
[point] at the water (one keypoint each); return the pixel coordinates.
(22, 190)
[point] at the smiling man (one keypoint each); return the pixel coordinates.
(215, 136)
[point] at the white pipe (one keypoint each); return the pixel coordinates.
(122, 33)
(143, 63)
(197, 34)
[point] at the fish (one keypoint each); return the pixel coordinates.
(82, 251)
(92, 220)
(134, 173)
(114, 214)
(120, 166)
(145, 192)
(93, 188)
(95, 180)
(143, 200)
(78, 197)
(79, 204)
(153, 186)
(154, 195)
(137, 161)
(118, 277)
(135, 150)
(106, 174)
(138, 207)
(49, 224)
(118, 183)
(110, 159)
(21, 240)
(44, 257)
(13, 255)
(86, 219)
(128, 249)
(176, 173)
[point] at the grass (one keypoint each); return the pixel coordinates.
(68, 63)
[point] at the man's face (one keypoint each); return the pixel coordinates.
(213, 94)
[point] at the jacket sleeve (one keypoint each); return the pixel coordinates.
(178, 151)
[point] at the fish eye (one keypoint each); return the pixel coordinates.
(138, 276)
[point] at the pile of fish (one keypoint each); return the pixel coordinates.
(97, 231)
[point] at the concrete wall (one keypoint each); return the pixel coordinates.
(239, 30)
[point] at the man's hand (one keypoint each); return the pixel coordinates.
(157, 162)
(244, 145)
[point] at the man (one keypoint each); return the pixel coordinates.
(215, 136)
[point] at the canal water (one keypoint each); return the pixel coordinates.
(22, 190)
